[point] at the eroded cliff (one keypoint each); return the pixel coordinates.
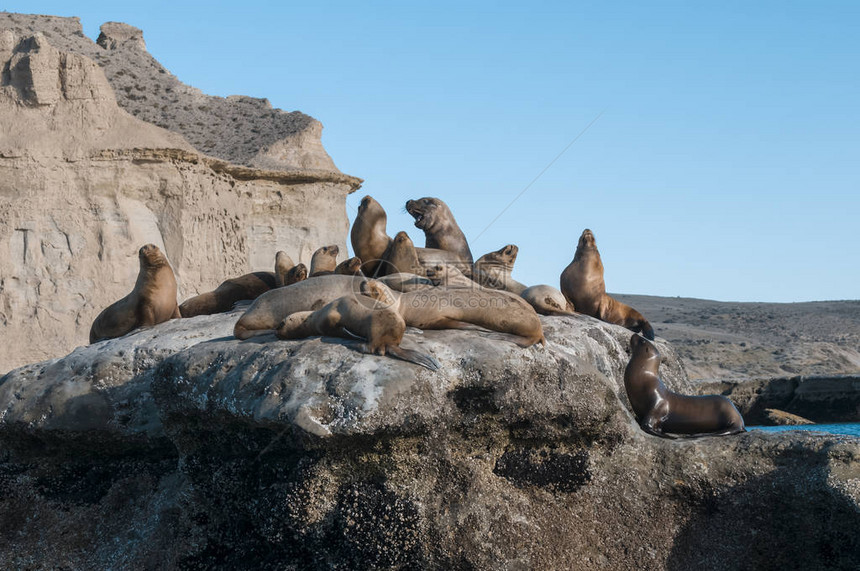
(83, 184)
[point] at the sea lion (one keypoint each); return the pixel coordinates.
(358, 317)
(324, 260)
(295, 274)
(493, 270)
(440, 229)
(267, 311)
(661, 411)
(350, 267)
(283, 264)
(152, 301)
(451, 308)
(368, 236)
(582, 284)
(225, 296)
(547, 300)
(400, 257)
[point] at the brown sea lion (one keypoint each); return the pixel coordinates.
(295, 274)
(661, 411)
(493, 270)
(152, 301)
(440, 229)
(225, 296)
(324, 260)
(358, 317)
(449, 276)
(582, 284)
(350, 267)
(400, 257)
(283, 264)
(268, 310)
(451, 308)
(368, 236)
(547, 300)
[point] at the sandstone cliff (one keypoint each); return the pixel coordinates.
(182, 447)
(83, 184)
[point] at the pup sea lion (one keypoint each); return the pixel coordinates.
(547, 300)
(351, 317)
(406, 282)
(324, 260)
(350, 267)
(440, 229)
(582, 284)
(268, 310)
(283, 264)
(295, 274)
(493, 270)
(368, 236)
(152, 301)
(661, 411)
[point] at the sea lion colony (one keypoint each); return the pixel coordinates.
(391, 284)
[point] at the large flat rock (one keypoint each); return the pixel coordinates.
(180, 446)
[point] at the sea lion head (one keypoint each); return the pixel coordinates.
(436, 273)
(151, 256)
(586, 240)
(643, 350)
(296, 274)
(379, 292)
(403, 239)
(332, 250)
(504, 257)
(428, 212)
(283, 261)
(369, 206)
(349, 267)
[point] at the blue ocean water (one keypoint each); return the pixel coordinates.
(850, 428)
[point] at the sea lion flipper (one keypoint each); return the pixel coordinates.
(422, 359)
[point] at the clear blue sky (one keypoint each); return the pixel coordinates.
(726, 164)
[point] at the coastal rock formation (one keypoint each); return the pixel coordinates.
(83, 184)
(238, 129)
(182, 447)
(823, 399)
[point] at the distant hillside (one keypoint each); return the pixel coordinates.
(731, 340)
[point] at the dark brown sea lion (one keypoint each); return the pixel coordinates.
(350, 267)
(440, 229)
(295, 274)
(547, 300)
(661, 411)
(268, 310)
(582, 284)
(225, 296)
(368, 236)
(493, 270)
(152, 301)
(358, 317)
(283, 264)
(324, 260)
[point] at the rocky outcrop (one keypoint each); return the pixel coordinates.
(83, 185)
(821, 399)
(180, 446)
(238, 129)
(782, 418)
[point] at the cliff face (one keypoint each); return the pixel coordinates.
(182, 447)
(83, 184)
